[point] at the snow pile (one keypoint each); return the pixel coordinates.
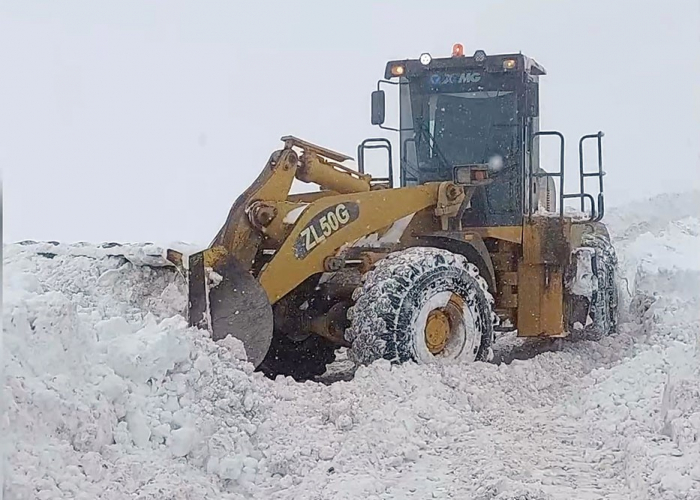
(662, 382)
(108, 389)
(110, 395)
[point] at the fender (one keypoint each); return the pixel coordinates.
(468, 244)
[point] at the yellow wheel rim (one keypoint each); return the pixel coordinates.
(437, 330)
(442, 323)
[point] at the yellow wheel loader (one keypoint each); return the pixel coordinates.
(468, 237)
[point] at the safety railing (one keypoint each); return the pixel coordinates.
(597, 209)
(597, 215)
(551, 175)
(376, 143)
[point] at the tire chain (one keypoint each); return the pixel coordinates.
(605, 319)
(397, 273)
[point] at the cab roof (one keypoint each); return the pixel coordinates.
(478, 61)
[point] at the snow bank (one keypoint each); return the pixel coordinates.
(108, 388)
(111, 395)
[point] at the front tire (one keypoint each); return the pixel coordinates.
(421, 304)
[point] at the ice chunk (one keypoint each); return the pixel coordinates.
(181, 441)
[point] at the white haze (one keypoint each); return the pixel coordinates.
(142, 121)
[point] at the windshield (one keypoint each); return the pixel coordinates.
(472, 127)
(459, 128)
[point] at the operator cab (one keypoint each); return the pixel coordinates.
(482, 110)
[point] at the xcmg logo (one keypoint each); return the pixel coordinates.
(454, 78)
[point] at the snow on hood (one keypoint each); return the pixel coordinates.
(110, 395)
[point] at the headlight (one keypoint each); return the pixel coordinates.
(398, 70)
(463, 175)
(509, 63)
(425, 59)
(470, 175)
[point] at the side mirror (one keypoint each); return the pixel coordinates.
(378, 107)
(532, 99)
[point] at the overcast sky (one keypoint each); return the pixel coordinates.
(143, 120)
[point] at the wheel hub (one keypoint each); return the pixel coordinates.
(442, 323)
(437, 330)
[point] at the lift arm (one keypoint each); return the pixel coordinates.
(254, 210)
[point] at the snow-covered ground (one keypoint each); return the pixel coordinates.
(108, 394)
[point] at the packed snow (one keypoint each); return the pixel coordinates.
(108, 394)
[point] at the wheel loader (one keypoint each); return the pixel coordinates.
(471, 235)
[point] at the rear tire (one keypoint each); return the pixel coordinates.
(397, 303)
(606, 301)
(603, 307)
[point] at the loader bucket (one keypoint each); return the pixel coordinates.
(226, 299)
